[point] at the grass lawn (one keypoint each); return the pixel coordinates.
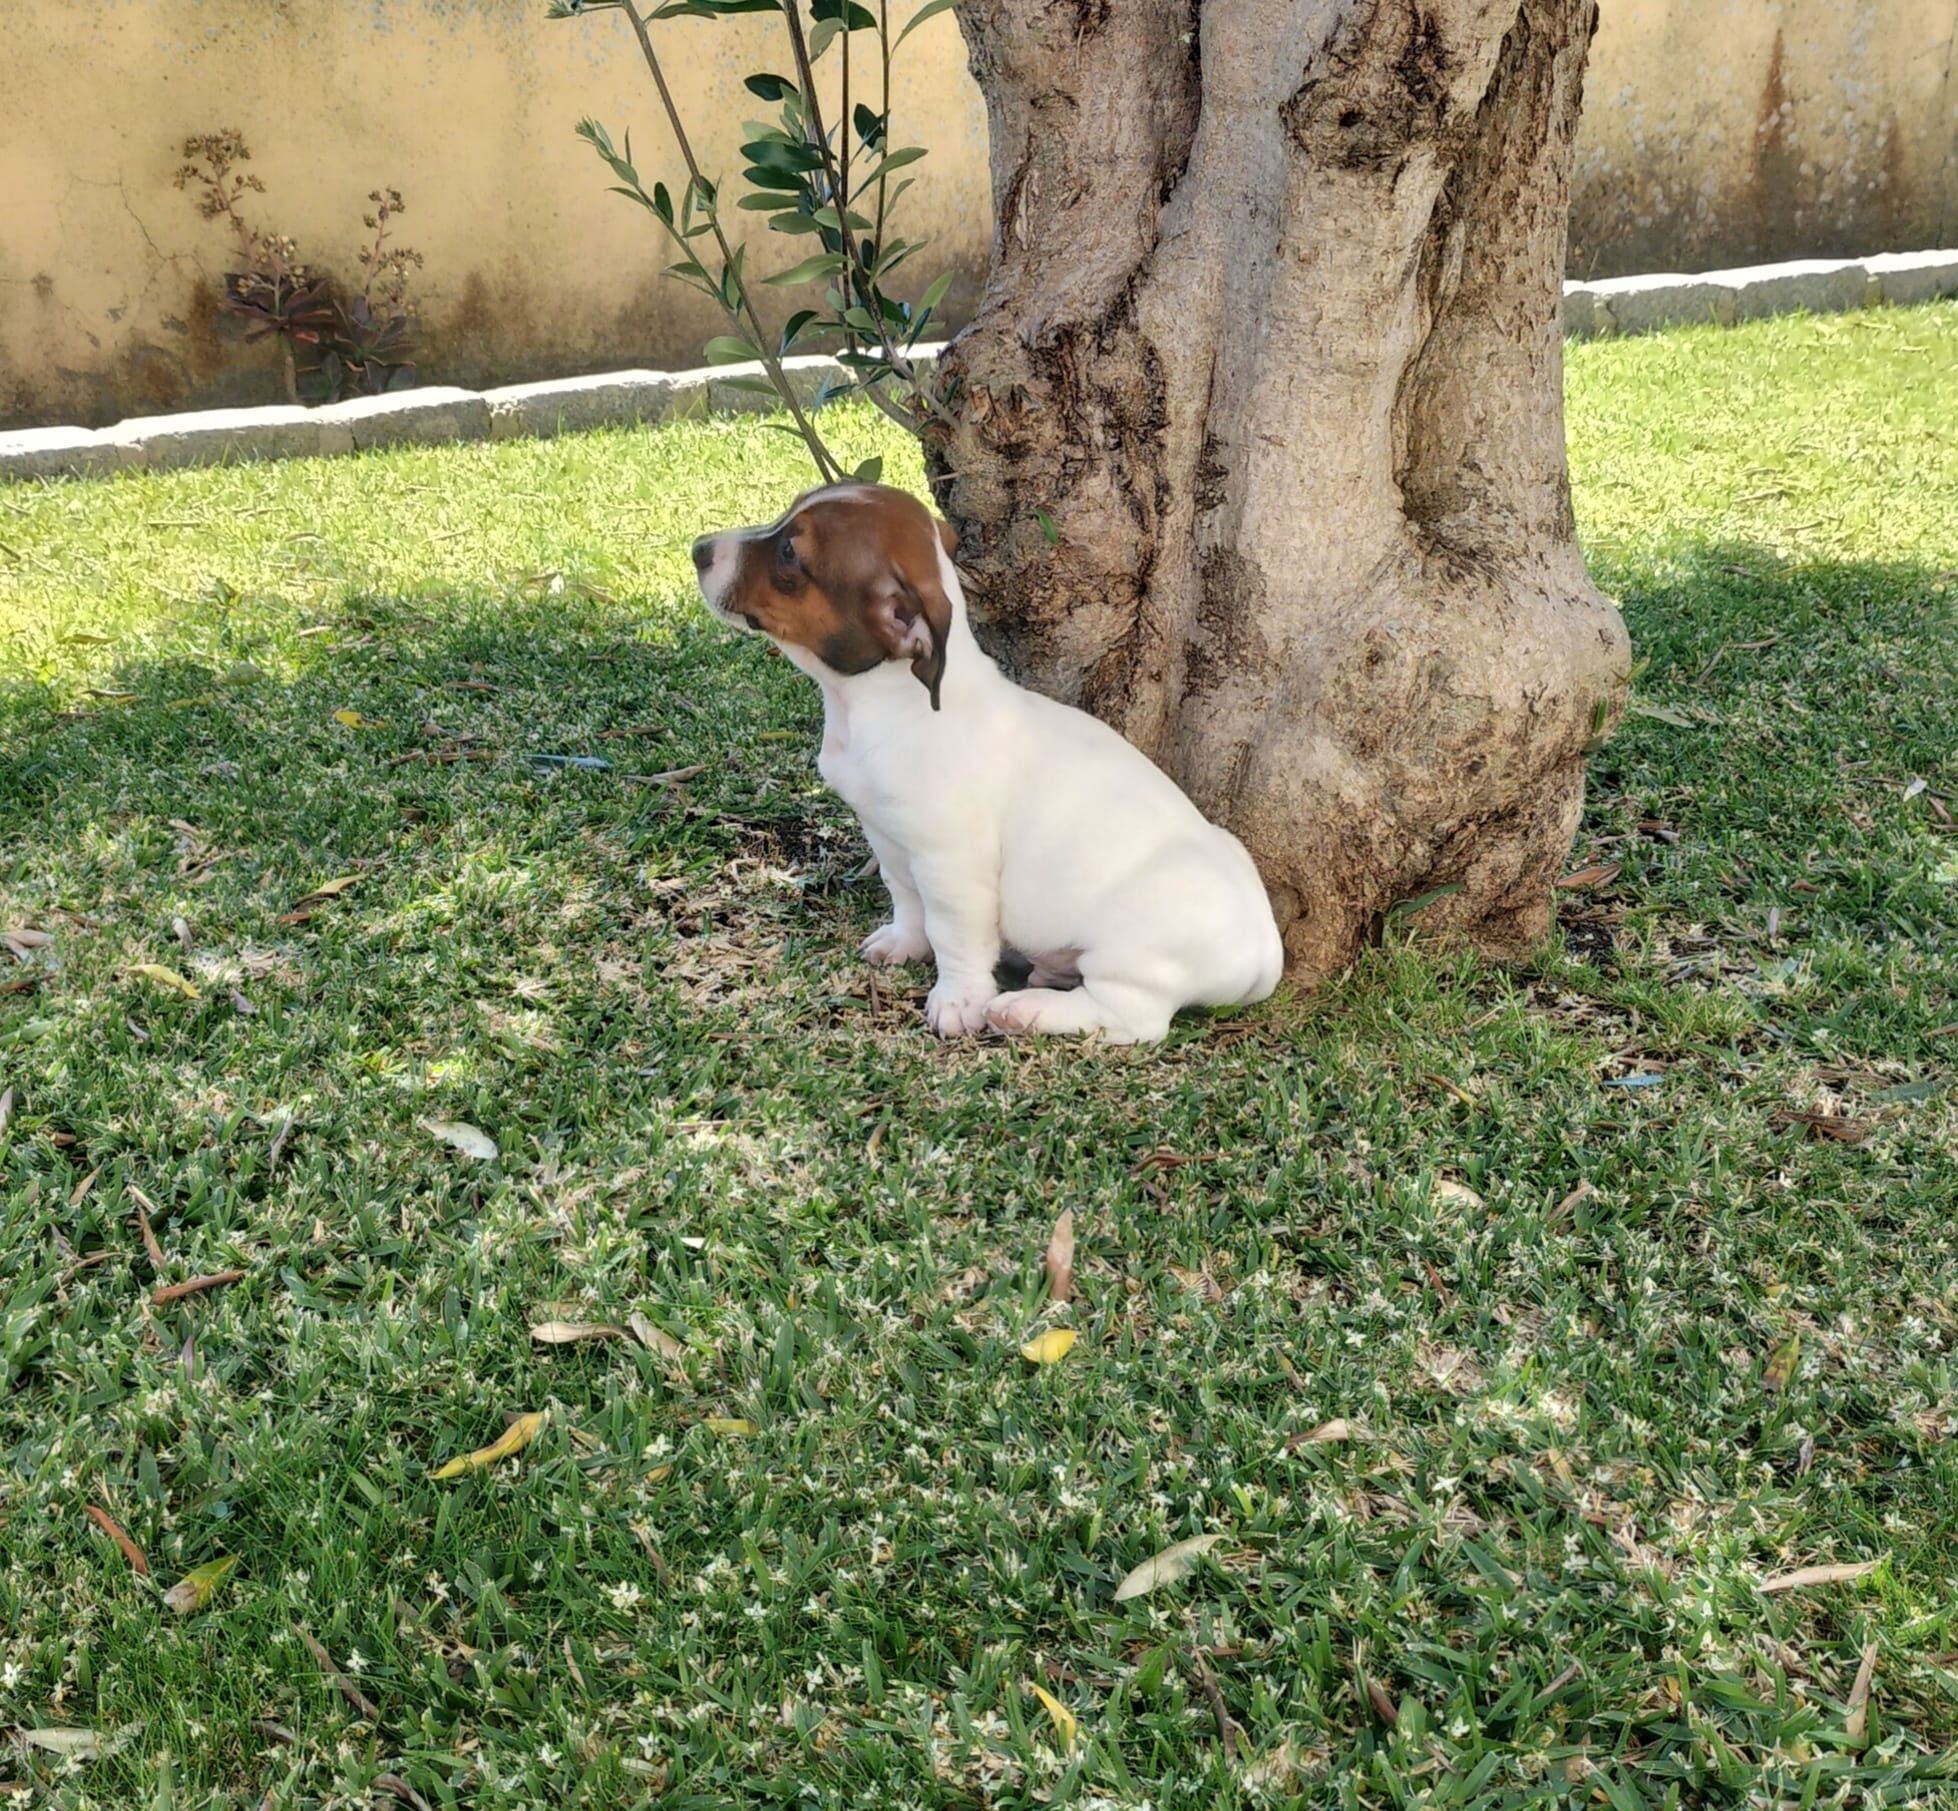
(1630, 1278)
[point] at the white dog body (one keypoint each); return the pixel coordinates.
(1006, 820)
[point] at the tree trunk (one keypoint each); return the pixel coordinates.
(1258, 443)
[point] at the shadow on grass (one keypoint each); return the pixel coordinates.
(1783, 709)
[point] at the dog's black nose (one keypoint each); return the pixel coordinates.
(703, 553)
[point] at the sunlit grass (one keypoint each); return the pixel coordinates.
(1550, 1299)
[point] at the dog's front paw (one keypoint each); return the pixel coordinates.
(892, 945)
(954, 1010)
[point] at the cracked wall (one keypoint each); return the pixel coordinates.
(1716, 132)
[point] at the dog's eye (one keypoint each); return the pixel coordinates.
(785, 555)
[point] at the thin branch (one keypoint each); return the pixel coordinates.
(852, 255)
(884, 137)
(826, 465)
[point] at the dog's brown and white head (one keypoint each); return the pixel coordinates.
(849, 574)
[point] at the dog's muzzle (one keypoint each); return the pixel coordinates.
(713, 563)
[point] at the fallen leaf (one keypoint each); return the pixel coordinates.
(653, 1339)
(354, 720)
(515, 1438)
(339, 1680)
(1049, 1348)
(327, 889)
(23, 941)
(1838, 1128)
(673, 776)
(75, 1744)
(1856, 1724)
(1063, 1719)
(144, 1208)
(570, 1333)
(175, 1292)
(165, 977)
(1166, 1567)
(1804, 1576)
(181, 931)
(138, 1560)
(1060, 1262)
(731, 1427)
(1582, 1192)
(1664, 713)
(1446, 1189)
(1928, 1089)
(6, 1108)
(193, 1591)
(1779, 1371)
(471, 1141)
(1382, 1701)
(1327, 1433)
(1598, 875)
(393, 1782)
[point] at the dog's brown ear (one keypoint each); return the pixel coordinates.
(912, 618)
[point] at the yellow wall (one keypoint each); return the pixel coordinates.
(1717, 131)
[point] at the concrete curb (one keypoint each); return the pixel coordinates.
(439, 415)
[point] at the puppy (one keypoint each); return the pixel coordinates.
(1000, 819)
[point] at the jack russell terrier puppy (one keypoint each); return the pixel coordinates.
(1000, 819)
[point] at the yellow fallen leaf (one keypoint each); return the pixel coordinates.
(1063, 1719)
(733, 1427)
(165, 977)
(1446, 1188)
(569, 1333)
(1779, 1372)
(354, 720)
(1049, 1348)
(516, 1437)
(193, 1590)
(328, 889)
(1166, 1567)
(1856, 1722)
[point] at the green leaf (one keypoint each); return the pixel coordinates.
(860, 319)
(773, 154)
(725, 349)
(871, 125)
(826, 216)
(935, 294)
(662, 203)
(1421, 901)
(1047, 527)
(870, 470)
(784, 181)
(823, 264)
(756, 386)
(909, 154)
(771, 87)
(794, 222)
(823, 36)
(931, 9)
(796, 323)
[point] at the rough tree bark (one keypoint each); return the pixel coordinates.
(1271, 342)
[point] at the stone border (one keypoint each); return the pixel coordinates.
(439, 415)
